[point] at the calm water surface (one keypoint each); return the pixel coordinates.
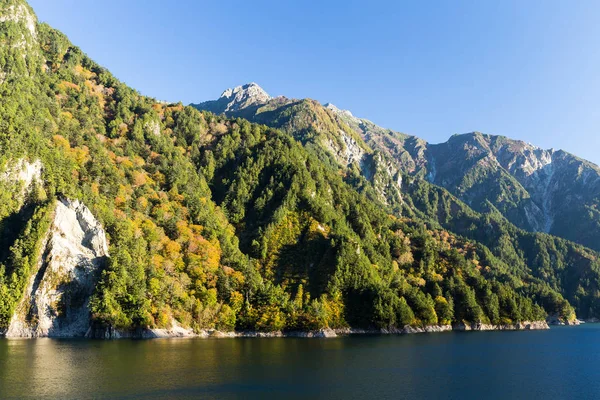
(562, 363)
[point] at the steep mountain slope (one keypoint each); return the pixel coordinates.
(319, 129)
(558, 262)
(537, 190)
(218, 223)
(540, 190)
(571, 269)
(305, 226)
(97, 141)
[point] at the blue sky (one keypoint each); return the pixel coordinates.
(525, 69)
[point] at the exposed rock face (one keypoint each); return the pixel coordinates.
(250, 101)
(407, 329)
(427, 329)
(381, 170)
(20, 14)
(353, 151)
(23, 173)
(323, 333)
(345, 113)
(538, 190)
(56, 300)
(555, 320)
(175, 331)
(349, 153)
(525, 325)
(243, 96)
(237, 99)
(152, 127)
(335, 129)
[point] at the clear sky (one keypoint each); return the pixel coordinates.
(527, 69)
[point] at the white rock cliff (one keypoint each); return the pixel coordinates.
(244, 96)
(56, 300)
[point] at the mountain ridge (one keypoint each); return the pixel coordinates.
(539, 190)
(265, 98)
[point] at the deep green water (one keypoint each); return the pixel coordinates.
(563, 362)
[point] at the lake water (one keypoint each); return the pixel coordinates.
(563, 362)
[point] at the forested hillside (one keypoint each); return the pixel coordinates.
(398, 168)
(221, 223)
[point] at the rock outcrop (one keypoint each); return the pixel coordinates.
(19, 19)
(175, 331)
(347, 154)
(554, 319)
(524, 325)
(237, 99)
(24, 174)
(56, 300)
(244, 96)
(538, 190)
(380, 168)
(19, 14)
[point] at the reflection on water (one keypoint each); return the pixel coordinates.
(561, 363)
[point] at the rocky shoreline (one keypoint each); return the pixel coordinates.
(180, 332)
(554, 320)
(177, 331)
(525, 325)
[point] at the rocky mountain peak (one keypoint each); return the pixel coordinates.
(244, 96)
(337, 110)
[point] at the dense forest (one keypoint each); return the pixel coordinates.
(564, 266)
(221, 223)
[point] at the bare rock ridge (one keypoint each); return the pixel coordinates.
(337, 110)
(240, 99)
(381, 171)
(243, 96)
(55, 303)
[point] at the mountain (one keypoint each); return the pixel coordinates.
(537, 190)
(318, 128)
(494, 209)
(124, 216)
(237, 99)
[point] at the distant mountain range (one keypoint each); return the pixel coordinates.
(538, 190)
